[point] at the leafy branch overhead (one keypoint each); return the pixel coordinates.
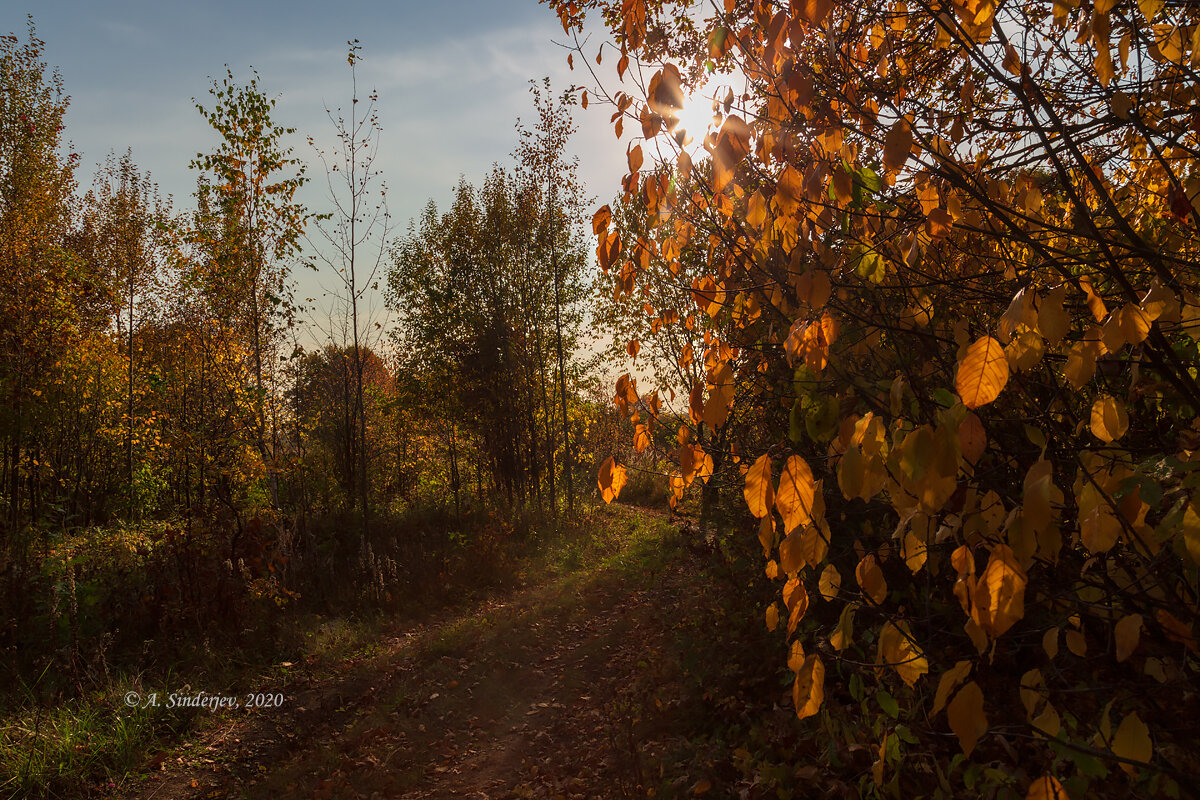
(930, 277)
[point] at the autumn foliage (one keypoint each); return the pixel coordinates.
(927, 291)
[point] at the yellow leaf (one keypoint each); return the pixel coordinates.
(1132, 741)
(870, 579)
(612, 477)
(759, 492)
(794, 498)
(1047, 787)
(843, 634)
(966, 716)
(808, 692)
(1033, 691)
(1076, 643)
(830, 582)
(897, 650)
(772, 616)
(796, 656)
(950, 681)
(1000, 592)
(982, 373)
(1127, 632)
(1024, 351)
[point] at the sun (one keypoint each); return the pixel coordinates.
(696, 116)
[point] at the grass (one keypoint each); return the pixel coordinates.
(92, 742)
(81, 745)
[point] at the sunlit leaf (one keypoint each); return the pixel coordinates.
(1000, 592)
(982, 373)
(794, 497)
(611, 479)
(759, 492)
(808, 691)
(898, 650)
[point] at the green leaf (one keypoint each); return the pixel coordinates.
(887, 703)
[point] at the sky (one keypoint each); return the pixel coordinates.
(452, 77)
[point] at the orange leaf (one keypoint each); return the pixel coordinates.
(772, 616)
(601, 219)
(795, 496)
(982, 373)
(808, 692)
(635, 158)
(795, 598)
(612, 477)
(759, 492)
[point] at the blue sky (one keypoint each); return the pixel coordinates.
(452, 78)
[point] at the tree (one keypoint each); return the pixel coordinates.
(476, 317)
(127, 223)
(254, 180)
(43, 292)
(351, 175)
(958, 242)
(321, 401)
(542, 158)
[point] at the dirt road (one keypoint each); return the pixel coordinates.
(555, 690)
